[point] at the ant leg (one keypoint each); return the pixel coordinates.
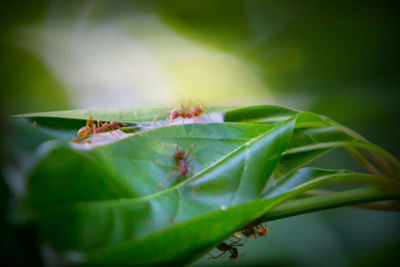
(162, 159)
(110, 130)
(205, 110)
(202, 106)
(191, 171)
(114, 130)
(164, 144)
(101, 127)
(169, 178)
(188, 153)
(190, 104)
(196, 158)
(182, 107)
(190, 109)
(174, 145)
(155, 118)
(168, 156)
(216, 257)
(90, 123)
(237, 242)
(238, 239)
(93, 126)
(89, 120)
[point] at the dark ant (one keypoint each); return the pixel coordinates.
(192, 112)
(224, 247)
(91, 127)
(253, 230)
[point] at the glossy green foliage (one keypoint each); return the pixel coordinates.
(124, 202)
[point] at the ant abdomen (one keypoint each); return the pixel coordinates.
(84, 131)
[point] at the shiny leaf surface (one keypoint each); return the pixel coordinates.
(125, 202)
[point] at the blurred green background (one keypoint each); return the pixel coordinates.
(336, 58)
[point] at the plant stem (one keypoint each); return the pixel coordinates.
(362, 160)
(328, 201)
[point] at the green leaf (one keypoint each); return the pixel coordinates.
(195, 240)
(121, 115)
(181, 243)
(122, 202)
(259, 114)
(238, 168)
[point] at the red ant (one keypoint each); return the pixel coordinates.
(91, 127)
(181, 161)
(192, 112)
(253, 230)
(224, 247)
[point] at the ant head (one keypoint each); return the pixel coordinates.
(180, 153)
(174, 114)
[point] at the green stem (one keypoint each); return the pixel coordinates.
(389, 205)
(383, 164)
(392, 185)
(328, 201)
(383, 158)
(362, 160)
(389, 183)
